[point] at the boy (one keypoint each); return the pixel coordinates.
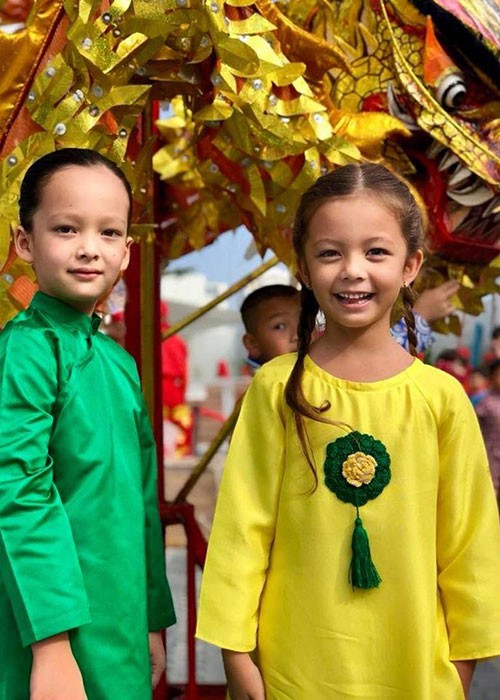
(270, 315)
(83, 593)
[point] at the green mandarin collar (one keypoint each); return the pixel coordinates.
(61, 312)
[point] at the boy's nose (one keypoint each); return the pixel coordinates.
(88, 247)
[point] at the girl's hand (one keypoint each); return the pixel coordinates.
(465, 671)
(55, 674)
(244, 681)
(157, 656)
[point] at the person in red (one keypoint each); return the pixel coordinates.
(176, 413)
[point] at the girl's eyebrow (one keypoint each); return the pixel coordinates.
(379, 238)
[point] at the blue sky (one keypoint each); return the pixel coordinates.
(223, 260)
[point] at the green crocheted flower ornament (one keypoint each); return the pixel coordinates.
(357, 469)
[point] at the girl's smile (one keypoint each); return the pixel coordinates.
(354, 298)
(357, 264)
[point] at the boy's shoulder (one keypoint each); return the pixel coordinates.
(26, 330)
(111, 348)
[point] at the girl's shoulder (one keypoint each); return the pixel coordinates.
(432, 378)
(278, 365)
(276, 370)
(443, 393)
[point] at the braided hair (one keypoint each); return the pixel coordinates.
(377, 181)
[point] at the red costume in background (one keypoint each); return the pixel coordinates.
(174, 355)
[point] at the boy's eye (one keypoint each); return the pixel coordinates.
(279, 326)
(111, 233)
(64, 229)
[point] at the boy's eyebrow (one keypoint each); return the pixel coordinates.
(278, 313)
(73, 216)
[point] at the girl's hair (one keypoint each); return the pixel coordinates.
(38, 174)
(362, 178)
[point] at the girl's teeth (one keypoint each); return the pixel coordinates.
(354, 298)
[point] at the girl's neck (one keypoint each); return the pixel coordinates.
(360, 355)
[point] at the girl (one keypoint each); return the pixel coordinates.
(355, 551)
(83, 593)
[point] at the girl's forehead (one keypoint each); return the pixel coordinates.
(359, 208)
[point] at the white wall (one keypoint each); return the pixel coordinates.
(214, 336)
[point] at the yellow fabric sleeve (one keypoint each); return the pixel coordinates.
(468, 536)
(244, 521)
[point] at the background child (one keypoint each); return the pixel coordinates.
(488, 411)
(270, 315)
(83, 592)
(349, 444)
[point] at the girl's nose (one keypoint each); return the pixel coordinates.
(353, 267)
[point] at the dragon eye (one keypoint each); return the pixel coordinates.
(451, 91)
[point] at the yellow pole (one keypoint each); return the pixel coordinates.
(148, 289)
(224, 432)
(147, 292)
(176, 327)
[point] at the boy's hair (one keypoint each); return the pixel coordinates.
(42, 169)
(495, 333)
(249, 310)
(354, 179)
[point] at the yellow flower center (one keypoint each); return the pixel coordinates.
(359, 468)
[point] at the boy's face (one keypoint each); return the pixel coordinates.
(477, 382)
(275, 329)
(79, 243)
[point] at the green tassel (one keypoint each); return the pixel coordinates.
(362, 573)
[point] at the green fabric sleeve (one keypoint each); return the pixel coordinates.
(38, 560)
(160, 606)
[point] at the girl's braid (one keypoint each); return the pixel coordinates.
(408, 299)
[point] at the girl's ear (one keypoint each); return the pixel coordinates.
(303, 275)
(23, 242)
(412, 266)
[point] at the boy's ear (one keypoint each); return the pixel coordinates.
(126, 257)
(251, 345)
(23, 243)
(412, 266)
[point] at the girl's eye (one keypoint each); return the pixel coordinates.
(377, 252)
(329, 253)
(279, 326)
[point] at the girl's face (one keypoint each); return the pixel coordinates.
(79, 243)
(356, 261)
